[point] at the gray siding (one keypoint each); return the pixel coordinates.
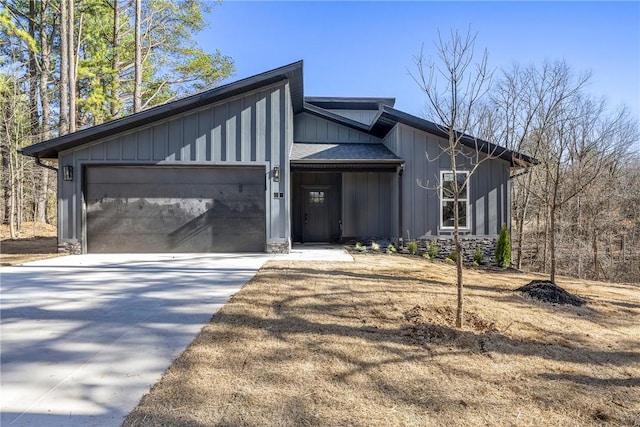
(362, 116)
(369, 208)
(253, 129)
(391, 141)
(489, 195)
(309, 128)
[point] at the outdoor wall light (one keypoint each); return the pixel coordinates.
(67, 172)
(276, 174)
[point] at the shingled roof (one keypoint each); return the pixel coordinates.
(342, 152)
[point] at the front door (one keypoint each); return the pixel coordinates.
(316, 215)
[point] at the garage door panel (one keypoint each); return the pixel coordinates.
(169, 176)
(244, 191)
(225, 213)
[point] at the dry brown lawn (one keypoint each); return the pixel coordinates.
(36, 241)
(370, 343)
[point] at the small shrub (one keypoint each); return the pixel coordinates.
(449, 260)
(413, 247)
(453, 256)
(503, 248)
(432, 250)
(358, 247)
(426, 256)
(391, 249)
(375, 246)
(478, 255)
(475, 263)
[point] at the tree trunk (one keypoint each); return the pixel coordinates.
(552, 244)
(19, 194)
(72, 67)
(520, 228)
(6, 179)
(456, 229)
(115, 61)
(12, 207)
(41, 175)
(545, 241)
(595, 253)
(579, 236)
(64, 68)
(460, 306)
(33, 73)
(137, 85)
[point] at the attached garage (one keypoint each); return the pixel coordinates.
(138, 209)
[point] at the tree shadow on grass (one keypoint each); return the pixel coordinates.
(286, 327)
(593, 381)
(301, 273)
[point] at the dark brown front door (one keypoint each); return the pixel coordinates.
(316, 215)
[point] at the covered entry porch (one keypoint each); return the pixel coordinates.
(345, 201)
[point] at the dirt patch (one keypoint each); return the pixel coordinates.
(437, 325)
(372, 343)
(36, 241)
(546, 291)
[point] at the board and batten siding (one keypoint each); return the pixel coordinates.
(255, 128)
(369, 204)
(309, 128)
(424, 159)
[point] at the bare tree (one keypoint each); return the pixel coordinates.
(454, 88)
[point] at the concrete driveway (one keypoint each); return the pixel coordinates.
(84, 337)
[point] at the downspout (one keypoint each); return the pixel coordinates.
(39, 163)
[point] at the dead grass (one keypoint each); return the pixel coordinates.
(370, 343)
(36, 241)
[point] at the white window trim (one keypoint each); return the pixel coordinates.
(466, 199)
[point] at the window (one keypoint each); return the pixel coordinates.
(316, 197)
(447, 189)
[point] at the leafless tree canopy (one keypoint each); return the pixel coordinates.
(570, 213)
(577, 211)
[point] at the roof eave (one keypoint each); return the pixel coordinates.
(469, 141)
(292, 72)
(363, 161)
(336, 118)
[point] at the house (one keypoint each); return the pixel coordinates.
(254, 165)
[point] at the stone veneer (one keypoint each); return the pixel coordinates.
(278, 247)
(71, 247)
(446, 246)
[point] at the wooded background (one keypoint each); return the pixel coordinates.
(71, 64)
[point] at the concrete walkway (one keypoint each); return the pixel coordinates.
(315, 252)
(84, 337)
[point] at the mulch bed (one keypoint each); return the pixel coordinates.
(546, 291)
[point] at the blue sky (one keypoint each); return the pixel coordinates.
(366, 48)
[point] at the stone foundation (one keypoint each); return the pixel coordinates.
(71, 247)
(446, 246)
(278, 247)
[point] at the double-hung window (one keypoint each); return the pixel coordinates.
(447, 191)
